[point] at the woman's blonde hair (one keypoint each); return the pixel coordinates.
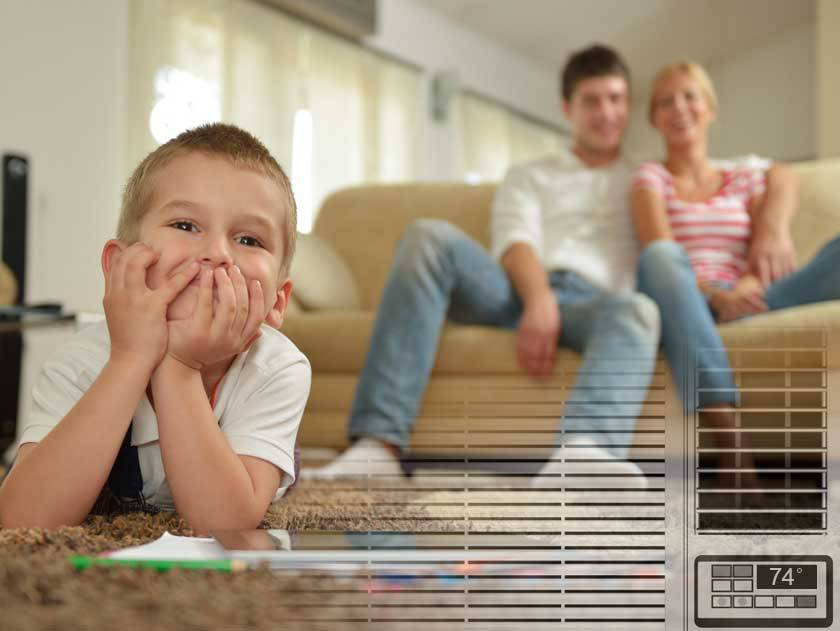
(216, 139)
(693, 71)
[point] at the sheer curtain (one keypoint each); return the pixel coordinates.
(493, 138)
(331, 112)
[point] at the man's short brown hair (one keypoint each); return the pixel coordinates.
(216, 139)
(594, 61)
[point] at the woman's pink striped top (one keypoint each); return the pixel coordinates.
(714, 233)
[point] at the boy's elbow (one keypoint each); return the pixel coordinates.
(241, 520)
(11, 518)
(205, 528)
(16, 514)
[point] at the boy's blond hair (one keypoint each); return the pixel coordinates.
(216, 139)
(693, 71)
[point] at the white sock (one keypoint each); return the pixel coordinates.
(366, 457)
(564, 460)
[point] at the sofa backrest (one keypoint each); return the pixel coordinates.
(364, 223)
(818, 219)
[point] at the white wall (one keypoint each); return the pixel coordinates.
(63, 74)
(767, 99)
(767, 102)
(827, 122)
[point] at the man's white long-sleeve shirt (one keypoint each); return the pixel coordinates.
(575, 218)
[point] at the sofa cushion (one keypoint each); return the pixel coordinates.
(322, 280)
(337, 342)
(786, 336)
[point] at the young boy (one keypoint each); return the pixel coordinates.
(186, 400)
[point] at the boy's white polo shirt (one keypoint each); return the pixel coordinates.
(259, 403)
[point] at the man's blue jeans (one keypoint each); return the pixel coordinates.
(690, 339)
(440, 272)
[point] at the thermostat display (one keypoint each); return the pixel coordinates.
(762, 591)
(786, 576)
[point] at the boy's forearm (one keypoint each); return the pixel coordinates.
(210, 485)
(60, 479)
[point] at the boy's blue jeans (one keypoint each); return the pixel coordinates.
(440, 272)
(689, 336)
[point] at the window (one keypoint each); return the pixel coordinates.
(331, 112)
(494, 137)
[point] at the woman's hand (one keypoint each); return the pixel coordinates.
(746, 298)
(772, 255)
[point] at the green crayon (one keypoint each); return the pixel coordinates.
(161, 565)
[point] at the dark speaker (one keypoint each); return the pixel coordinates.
(11, 352)
(15, 183)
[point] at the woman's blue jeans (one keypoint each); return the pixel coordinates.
(440, 272)
(689, 336)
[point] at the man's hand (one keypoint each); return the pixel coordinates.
(538, 334)
(746, 298)
(222, 328)
(772, 255)
(136, 315)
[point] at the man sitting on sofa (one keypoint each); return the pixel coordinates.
(561, 270)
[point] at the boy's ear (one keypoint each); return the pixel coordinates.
(111, 248)
(278, 310)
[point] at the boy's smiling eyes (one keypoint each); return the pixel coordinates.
(249, 241)
(187, 226)
(246, 240)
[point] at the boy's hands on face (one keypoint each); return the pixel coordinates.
(136, 314)
(221, 328)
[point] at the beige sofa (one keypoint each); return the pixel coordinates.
(476, 383)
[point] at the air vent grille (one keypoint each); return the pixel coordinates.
(586, 551)
(761, 465)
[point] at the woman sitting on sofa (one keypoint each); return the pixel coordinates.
(694, 225)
